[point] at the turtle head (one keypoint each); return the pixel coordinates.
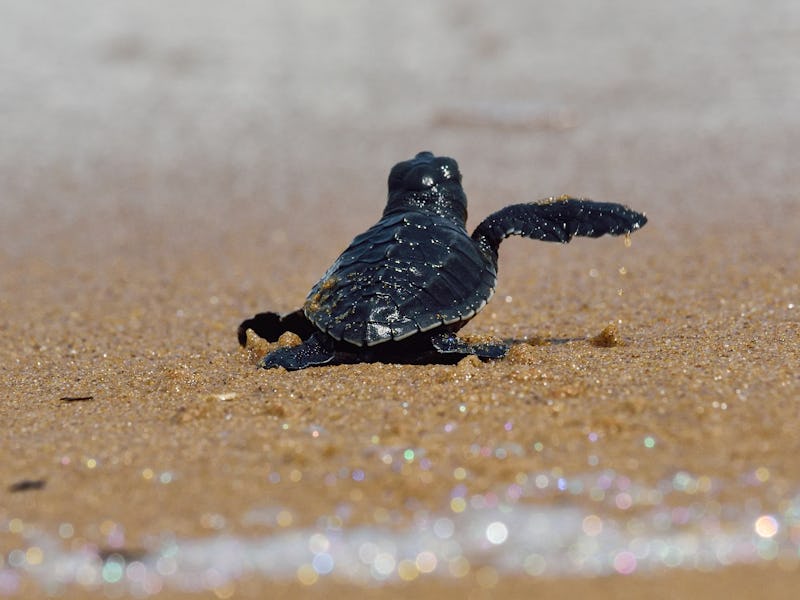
(427, 183)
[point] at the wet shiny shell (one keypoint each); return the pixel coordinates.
(410, 272)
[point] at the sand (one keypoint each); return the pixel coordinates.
(167, 174)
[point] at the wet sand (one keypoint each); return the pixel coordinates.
(170, 175)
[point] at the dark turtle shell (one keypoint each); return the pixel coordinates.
(410, 272)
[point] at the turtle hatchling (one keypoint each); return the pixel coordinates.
(403, 288)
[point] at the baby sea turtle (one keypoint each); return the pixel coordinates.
(404, 287)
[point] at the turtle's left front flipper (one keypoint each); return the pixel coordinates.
(557, 220)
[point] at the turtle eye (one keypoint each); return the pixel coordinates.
(396, 177)
(427, 181)
(449, 170)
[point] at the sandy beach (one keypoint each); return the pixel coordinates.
(166, 172)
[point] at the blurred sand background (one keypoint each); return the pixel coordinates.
(168, 169)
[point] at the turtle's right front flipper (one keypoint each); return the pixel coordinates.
(270, 326)
(557, 220)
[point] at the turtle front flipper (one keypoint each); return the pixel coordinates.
(271, 325)
(557, 220)
(317, 350)
(447, 342)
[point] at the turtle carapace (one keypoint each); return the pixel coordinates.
(404, 287)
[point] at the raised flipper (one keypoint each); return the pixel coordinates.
(557, 220)
(316, 350)
(449, 343)
(270, 326)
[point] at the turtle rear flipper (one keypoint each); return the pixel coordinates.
(447, 342)
(316, 350)
(557, 220)
(271, 325)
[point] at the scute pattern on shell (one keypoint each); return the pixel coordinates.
(410, 272)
